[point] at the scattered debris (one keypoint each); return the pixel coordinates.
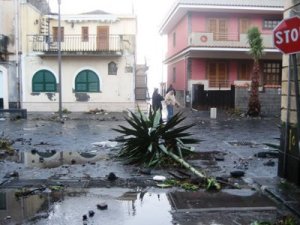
(6, 144)
(219, 157)
(102, 206)
(269, 163)
(145, 171)
(159, 178)
(237, 173)
(242, 164)
(84, 217)
(91, 213)
(25, 192)
(12, 174)
(112, 176)
(105, 144)
(269, 154)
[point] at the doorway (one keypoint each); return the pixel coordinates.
(102, 38)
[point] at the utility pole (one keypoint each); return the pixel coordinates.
(59, 61)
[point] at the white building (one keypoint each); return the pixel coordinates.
(98, 52)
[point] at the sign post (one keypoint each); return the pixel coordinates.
(286, 38)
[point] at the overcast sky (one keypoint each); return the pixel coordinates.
(150, 13)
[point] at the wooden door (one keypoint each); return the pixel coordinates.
(219, 28)
(217, 74)
(102, 38)
(245, 25)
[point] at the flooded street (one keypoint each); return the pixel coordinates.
(128, 207)
(58, 173)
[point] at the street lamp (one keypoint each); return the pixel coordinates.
(59, 61)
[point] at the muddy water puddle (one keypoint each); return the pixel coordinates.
(121, 206)
(124, 207)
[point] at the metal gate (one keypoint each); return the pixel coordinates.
(204, 100)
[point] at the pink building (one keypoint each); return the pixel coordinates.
(208, 54)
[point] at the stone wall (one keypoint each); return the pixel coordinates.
(270, 100)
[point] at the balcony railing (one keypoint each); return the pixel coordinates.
(76, 43)
(219, 84)
(228, 40)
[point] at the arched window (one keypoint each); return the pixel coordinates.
(87, 81)
(112, 68)
(43, 81)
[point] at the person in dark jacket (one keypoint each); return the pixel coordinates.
(170, 88)
(156, 102)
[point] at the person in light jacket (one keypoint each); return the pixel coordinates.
(170, 101)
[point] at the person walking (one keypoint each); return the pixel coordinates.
(156, 102)
(170, 88)
(170, 101)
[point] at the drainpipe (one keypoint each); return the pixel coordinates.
(59, 61)
(287, 118)
(17, 39)
(186, 59)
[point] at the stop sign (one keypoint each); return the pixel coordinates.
(286, 35)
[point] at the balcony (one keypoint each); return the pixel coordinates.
(3, 46)
(228, 40)
(76, 45)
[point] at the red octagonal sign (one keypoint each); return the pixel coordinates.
(286, 35)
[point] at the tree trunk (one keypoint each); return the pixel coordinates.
(254, 103)
(183, 162)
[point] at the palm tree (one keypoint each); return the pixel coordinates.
(256, 50)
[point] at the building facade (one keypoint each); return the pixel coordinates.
(289, 154)
(208, 53)
(9, 56)
(93, 54)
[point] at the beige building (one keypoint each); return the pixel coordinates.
(98, 53)
(9, 55)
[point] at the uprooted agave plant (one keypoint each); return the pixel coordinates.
(150, 143)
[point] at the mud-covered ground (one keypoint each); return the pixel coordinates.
(82, 145)
(80, 152)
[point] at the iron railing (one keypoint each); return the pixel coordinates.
(219, 84)
(75, 43)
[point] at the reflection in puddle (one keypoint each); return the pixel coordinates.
(127, 207)
(53, 159)
(61, 207)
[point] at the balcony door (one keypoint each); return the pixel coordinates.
(219, 28)
(102, 38)
(217, 74)
(3, 88)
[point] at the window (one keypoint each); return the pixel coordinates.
(217, 74)
(55, 34)
(84, 34)
(244, 25)
(43, 81)
(272, 73)
(270, 24)
(112, 68)
(219, 28)
(174, 75)
(244, 70)
(87, 81)
(174, 39)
